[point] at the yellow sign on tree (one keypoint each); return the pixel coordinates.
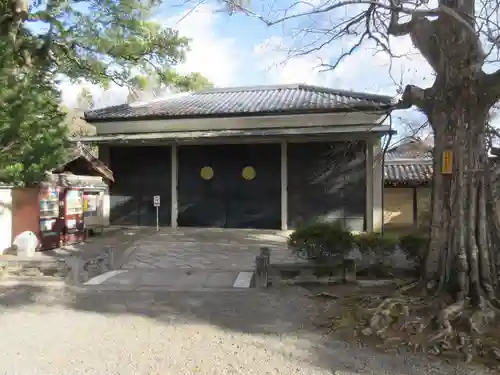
(447, 165)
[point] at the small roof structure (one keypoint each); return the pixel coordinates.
(82, 161)
(411, 164)
(408, 164)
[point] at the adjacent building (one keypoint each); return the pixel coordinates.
(408, 169)
(407, 184)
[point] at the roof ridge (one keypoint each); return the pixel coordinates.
(408, 161)
(105, 109)
(296, 86)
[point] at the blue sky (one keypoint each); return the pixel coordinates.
(239, 50)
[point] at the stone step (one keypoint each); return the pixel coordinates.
(35, 281)
(33, 267)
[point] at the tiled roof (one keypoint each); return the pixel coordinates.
(244, 101)
(81, 151)
(408, 155)
(410, 162)
(419, 172)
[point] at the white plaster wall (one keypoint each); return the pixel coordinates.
(105, 209)
(378, 182)
(398, 207)
(5, 219)
(334, 120)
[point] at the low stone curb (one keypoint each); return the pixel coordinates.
(55, 268)
(118, 288)
(38, 282)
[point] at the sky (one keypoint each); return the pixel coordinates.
(238, 50)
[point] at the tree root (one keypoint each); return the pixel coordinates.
(454, 331)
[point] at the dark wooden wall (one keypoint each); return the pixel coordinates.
(140, 173)
(227, 199)
(327, 181)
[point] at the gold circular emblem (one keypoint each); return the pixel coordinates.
(248, 173)
(207, 173)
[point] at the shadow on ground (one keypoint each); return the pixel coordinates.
(279, 321)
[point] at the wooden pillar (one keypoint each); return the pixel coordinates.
(284, 185)
(173, 188)
(415, 207)
(374, 186)
(378, 186)
(103, 154)
(369, 186)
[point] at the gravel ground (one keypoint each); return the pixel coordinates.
(63, 331)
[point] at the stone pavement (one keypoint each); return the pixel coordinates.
(193, 258)
(208, 249)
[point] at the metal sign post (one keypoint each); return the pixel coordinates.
(156, 203)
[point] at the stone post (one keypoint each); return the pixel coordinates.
(265, 251)
(104, 264)
(261, 271)
(349, 270)
(75, 267)
(111, 257)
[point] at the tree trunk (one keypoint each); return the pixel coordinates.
(464, 234)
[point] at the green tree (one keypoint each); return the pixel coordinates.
(152, 85)
(32, 133)
(77, 126)
(84, 100)
(101, 41)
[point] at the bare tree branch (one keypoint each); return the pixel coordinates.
(341, 4)
(395, 28)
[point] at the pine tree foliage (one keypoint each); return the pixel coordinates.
(32, 133)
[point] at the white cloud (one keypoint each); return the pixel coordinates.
(273, 59)
(214, 56)
(364, 70)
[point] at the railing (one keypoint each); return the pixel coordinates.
(340, 269)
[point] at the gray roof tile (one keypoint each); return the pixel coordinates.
(408, 163)
(407, 173)
(241, 101)
(408, 155)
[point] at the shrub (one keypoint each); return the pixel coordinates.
(381, 245)
(414, 246)
(321, 240)
(378, 247)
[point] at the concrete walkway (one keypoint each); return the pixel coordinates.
(171, 279)
(193, 258)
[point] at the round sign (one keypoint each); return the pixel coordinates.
(207, 173)
(248, 173)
